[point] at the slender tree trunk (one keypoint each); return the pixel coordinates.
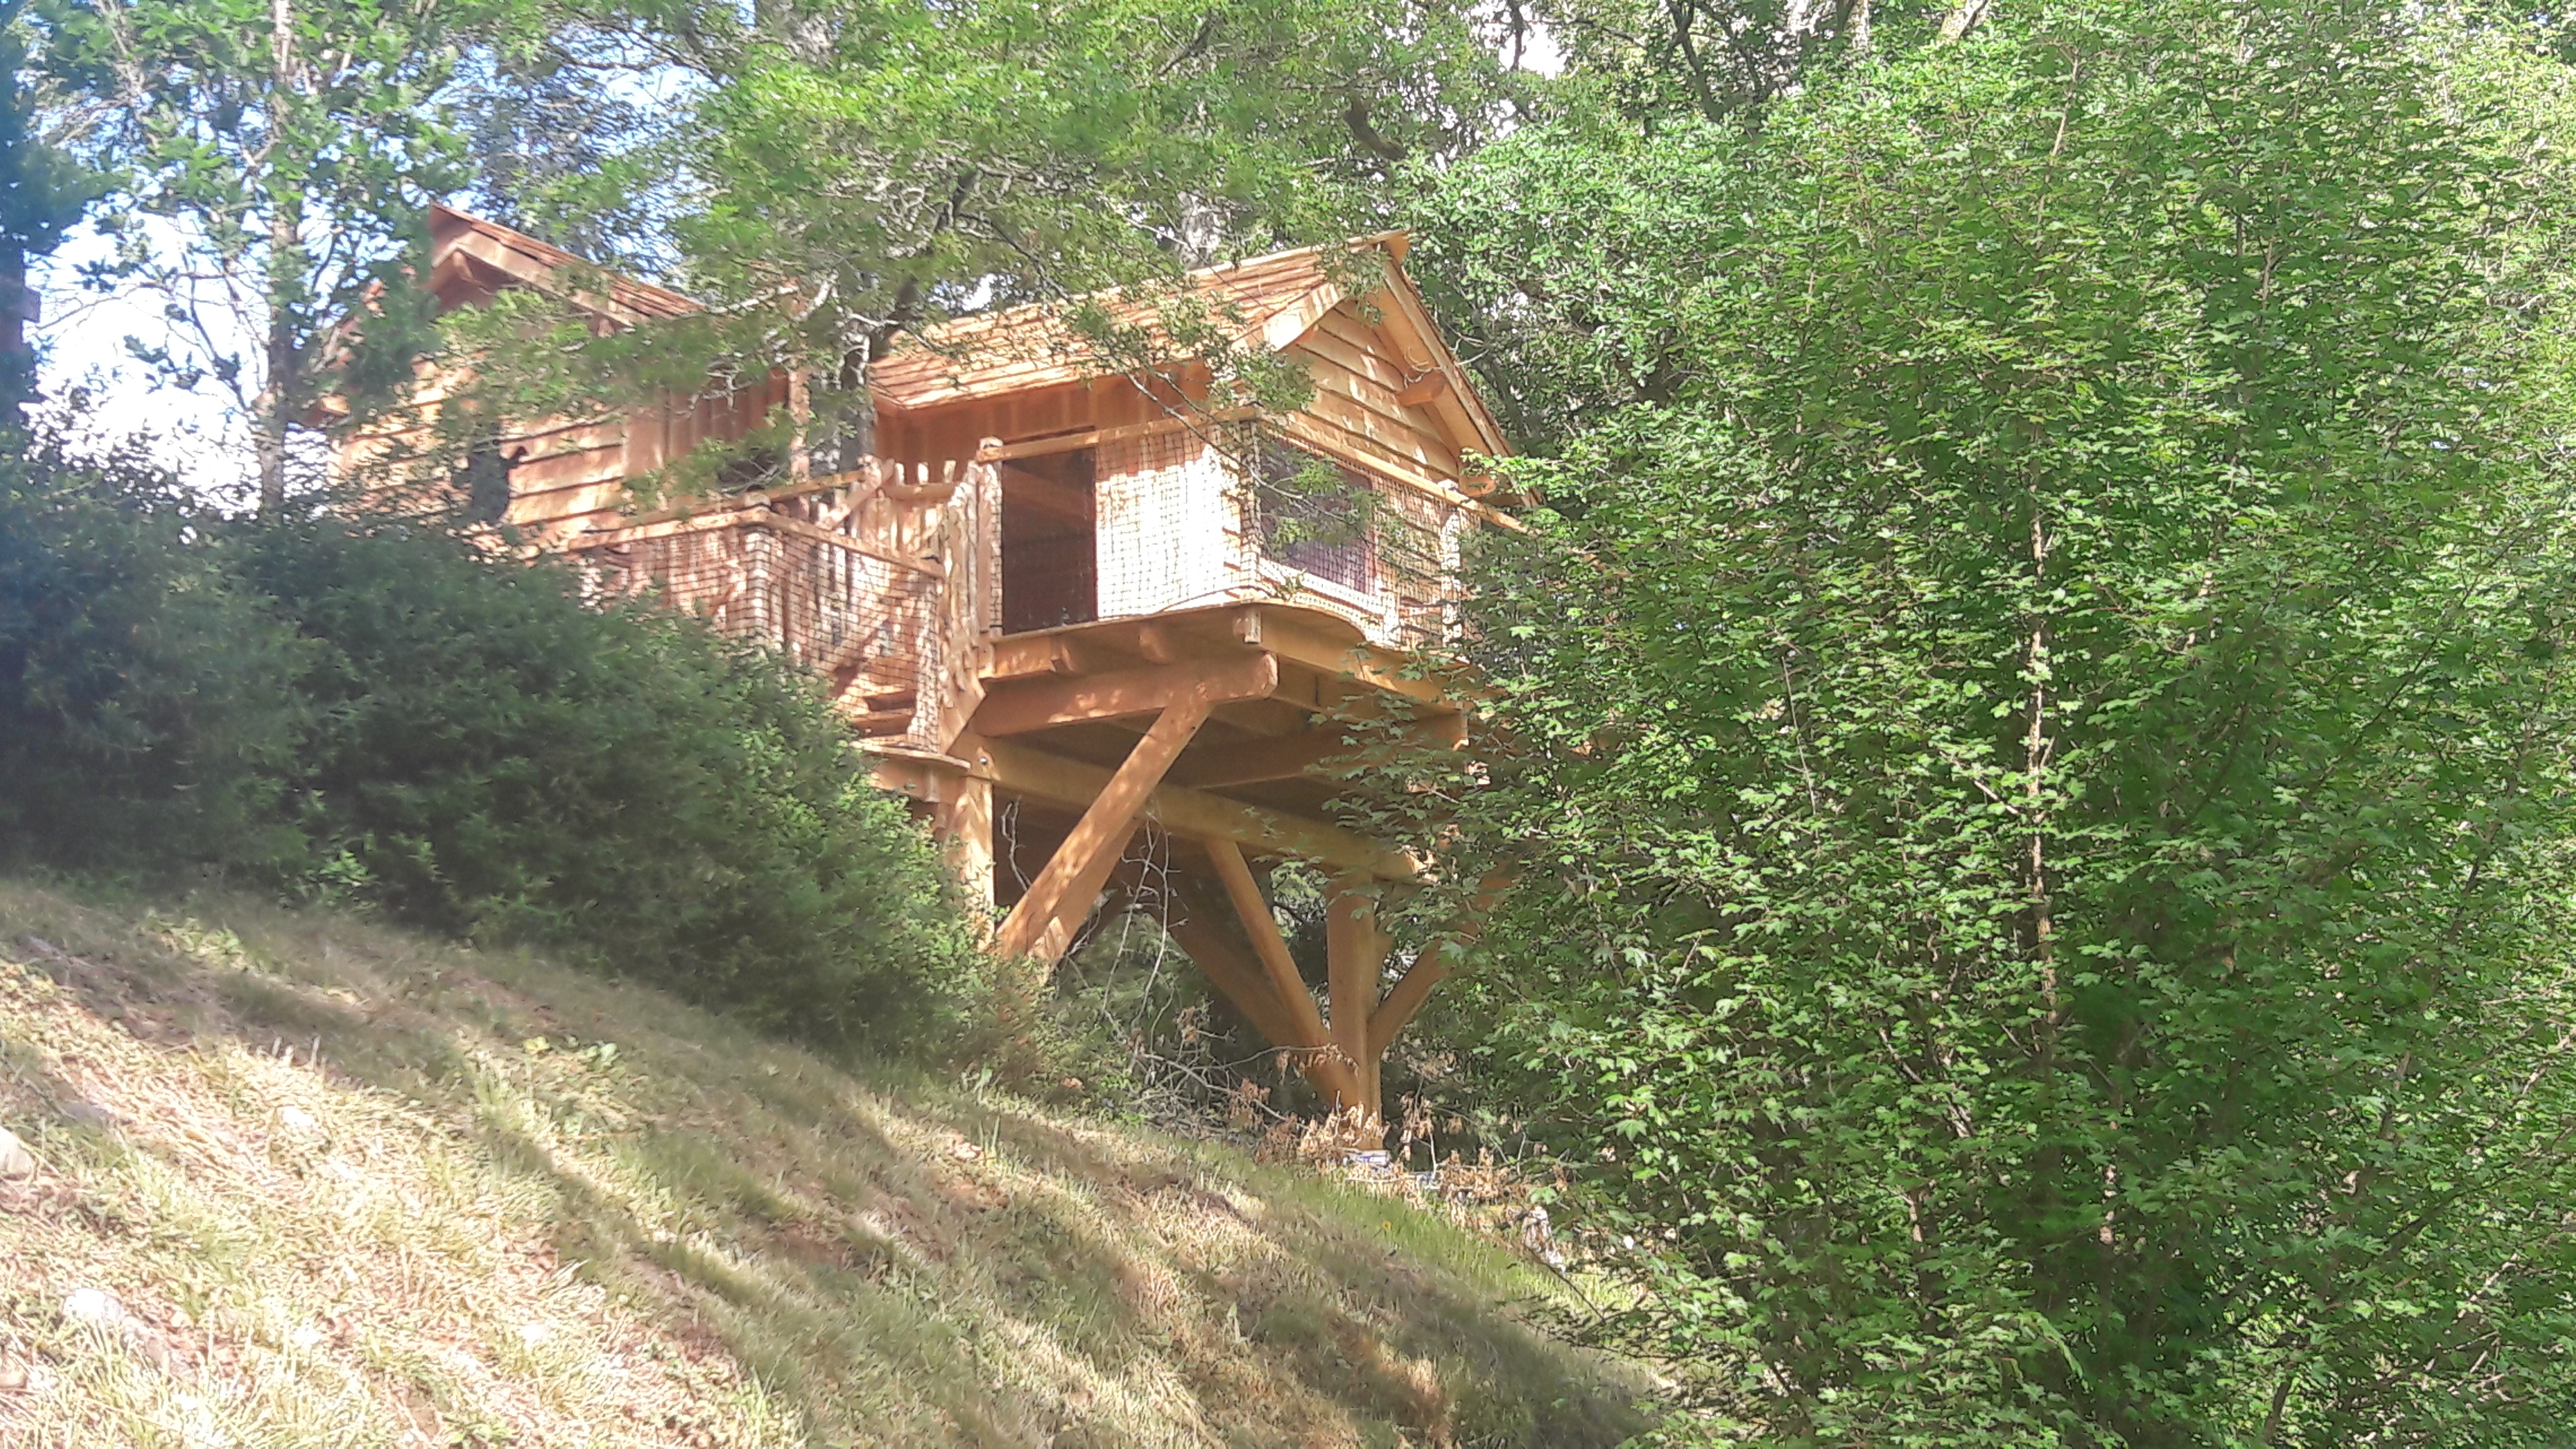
(17, 360)
(276, 400)
(272, 409)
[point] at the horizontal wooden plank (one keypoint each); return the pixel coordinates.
(1017, 708)
(1361, 406)
(1359, 357)
(1344, 322)
(1374, 395)
(1094, 437)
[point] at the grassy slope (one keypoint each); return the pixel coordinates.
(366, 1189)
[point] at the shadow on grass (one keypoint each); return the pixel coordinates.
(888, 1260)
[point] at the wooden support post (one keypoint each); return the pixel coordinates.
(1044, 921)
(1200, 931)
(963, 825)
(1355, 950)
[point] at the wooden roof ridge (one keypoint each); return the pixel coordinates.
(1030, 344)
(456, 234)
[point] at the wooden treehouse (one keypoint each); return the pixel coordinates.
(1067, 610)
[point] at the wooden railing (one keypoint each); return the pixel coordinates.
(886, 580)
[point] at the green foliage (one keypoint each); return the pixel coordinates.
(274, 162)
(147, 711)
(841, 176)
(496, 758)
(2043, 775)
(42, 192)
(393, 717)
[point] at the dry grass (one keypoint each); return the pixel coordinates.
(363, 1189)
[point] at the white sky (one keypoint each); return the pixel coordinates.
(81, 342)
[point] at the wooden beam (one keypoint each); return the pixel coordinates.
(1196, 928)
(1018, 708)
(1262, 929)
(1021, 770)
(1034, 656)
(1391, 1015)
(1094, 437)
(1044, 921)
(1232, 972)
(1355, 950)
(1434, 963)
(1302, 643)
(1422, 390)
(963, 826)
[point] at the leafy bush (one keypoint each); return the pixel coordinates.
(492, 757)
(146, 705)
(392, 717)
(2045, 779)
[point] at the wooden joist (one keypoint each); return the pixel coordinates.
(1020, 707)
(1017, 769)
(1304, 643)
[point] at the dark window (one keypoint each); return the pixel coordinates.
(1318, 516)
(483, 484)
(1050, 573)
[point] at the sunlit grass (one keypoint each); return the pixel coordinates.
(366, 1189)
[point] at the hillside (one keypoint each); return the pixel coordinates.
(293, 1179)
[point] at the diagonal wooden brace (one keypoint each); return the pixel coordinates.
(1043, 923)
(1244, 981)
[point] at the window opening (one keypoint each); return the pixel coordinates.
(1317, 515)
(483, 484)
(1050, 544)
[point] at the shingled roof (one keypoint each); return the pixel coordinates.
(1268, 301)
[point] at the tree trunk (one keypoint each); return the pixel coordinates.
(273, 408)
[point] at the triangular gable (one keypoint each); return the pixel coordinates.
(469, 254)
(1031, 346)
(1454, 399)
(1280, 300)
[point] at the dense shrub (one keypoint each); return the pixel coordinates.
(391, 717)
(147, 714)
(492, 757)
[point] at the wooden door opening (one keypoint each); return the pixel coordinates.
(1050, 544)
